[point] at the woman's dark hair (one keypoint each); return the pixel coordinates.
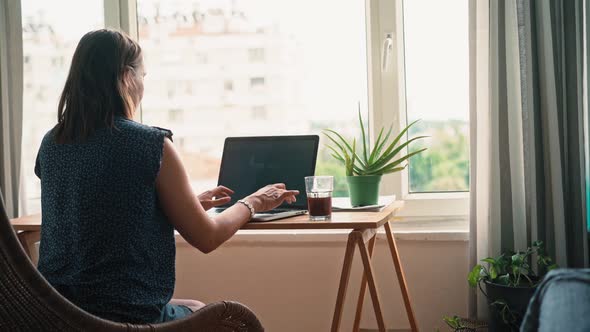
(99, 85)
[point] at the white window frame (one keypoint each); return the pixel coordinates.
(386, 99)
(122, 15)
(387, 92)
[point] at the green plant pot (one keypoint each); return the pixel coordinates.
(363, 189)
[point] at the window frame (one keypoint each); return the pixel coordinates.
(386, 91)
(385, 17)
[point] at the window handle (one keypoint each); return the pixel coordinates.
(387, 49)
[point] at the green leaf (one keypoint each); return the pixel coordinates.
(475, 276)
(337, 157)
(372, 162)
(453, 322)
(363, 136)
(489, 260)
(493, 272)
(404, 158)
(547, 259)
(390, 152)
(403, 132)
(552, 267)
(517, 259)
(377, 150)
(336, 153)
(392, 145)
(386, 170)
(377, 143)
(541, 261)
(347, 164)
(334, 141)
(353, 156)
(515, 269)
(344, 143)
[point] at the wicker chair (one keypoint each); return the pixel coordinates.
(29, 303)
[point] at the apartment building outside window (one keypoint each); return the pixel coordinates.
(220, 68)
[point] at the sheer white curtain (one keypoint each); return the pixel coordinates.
(497, 219)
(527, 136)
(480, 157)
(11, 103)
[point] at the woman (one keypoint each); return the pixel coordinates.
(114, 190)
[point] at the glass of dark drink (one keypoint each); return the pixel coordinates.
(319, 197)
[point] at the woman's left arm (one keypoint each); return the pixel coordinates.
(184, 210)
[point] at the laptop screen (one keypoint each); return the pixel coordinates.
(250, 163)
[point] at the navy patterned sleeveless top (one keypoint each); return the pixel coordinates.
(106, 244)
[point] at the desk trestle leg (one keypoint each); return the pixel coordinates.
(348, 256)
(360, 238)
(370, 277)
(361, 298)
(401, 277)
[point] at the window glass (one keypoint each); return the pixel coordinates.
(50, 36)
(437, 93)
(255, 67)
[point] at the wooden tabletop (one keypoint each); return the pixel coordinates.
(340, 220)
(27, 223)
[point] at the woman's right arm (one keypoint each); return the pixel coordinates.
(187, 215)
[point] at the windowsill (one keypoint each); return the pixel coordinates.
(435, 206)
(416, 229)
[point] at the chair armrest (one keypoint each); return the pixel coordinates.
(224, 316)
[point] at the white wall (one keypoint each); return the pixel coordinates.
(290, 281)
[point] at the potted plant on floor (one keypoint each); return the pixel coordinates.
(510, 282)
(365, 168)
(459, 324)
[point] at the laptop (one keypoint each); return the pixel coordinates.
(250, 163)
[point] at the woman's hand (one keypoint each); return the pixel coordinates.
(215, 197)
(271, 196)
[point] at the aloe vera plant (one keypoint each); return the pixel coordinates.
(377, 160)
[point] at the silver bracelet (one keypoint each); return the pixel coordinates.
(249, 206)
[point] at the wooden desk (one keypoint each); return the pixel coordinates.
(363, 226)
(29, 232)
